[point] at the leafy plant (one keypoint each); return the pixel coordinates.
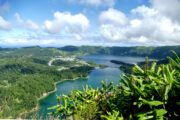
(146, 94)
(112, 116)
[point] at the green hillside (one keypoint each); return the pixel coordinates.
(152, 52)
(25, 77)
(35, 51)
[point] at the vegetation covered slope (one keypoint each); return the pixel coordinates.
(34, 51)
(152, 52)
(25, 76)
(146, 94)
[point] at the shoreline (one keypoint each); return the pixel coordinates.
(46, 95)
(55, 89)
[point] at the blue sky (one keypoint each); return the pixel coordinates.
(89, 22)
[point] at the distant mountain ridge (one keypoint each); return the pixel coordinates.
(152, 52)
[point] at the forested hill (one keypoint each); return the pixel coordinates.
(25, 76)
(153, 52)
(35, 51)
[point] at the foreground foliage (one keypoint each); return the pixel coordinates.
(152, 92)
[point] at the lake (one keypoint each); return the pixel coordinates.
(109, 74)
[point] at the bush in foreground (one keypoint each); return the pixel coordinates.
(149, 93)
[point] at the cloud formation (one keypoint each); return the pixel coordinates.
(4, 25)
(155, 23)
(168, 8)
(113, 16)
(28, 24)
(66, 22)
(144, 26)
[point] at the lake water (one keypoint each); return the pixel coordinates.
(109, 74)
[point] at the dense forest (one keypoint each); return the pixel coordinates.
(149, 93)
(25, 76)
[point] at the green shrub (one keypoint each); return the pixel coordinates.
(146, 94)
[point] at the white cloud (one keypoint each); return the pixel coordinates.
(66, 22)
(169, 8)
(144, 11)
(110, 22)
(145, 26)
(4, 25)
(28, 24)
(135, 23)
(31, 25)
(113, 16)
(112, 33)
(98, 2)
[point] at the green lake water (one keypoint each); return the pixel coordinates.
(109, 74)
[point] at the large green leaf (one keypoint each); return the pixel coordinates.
(153, 67)
(145, 116)
(160, 114)
(151, 103)
(54, 107)
(137, 69)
